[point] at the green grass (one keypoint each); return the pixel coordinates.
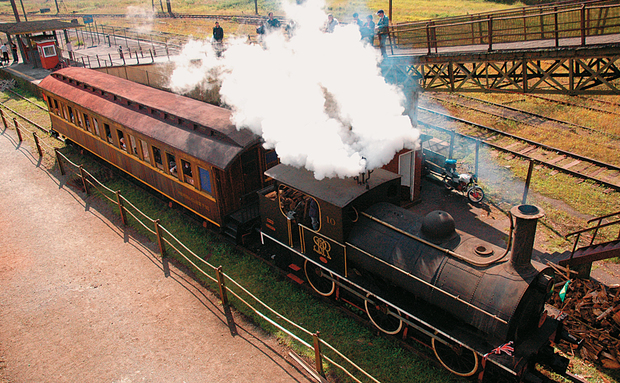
(407, 10)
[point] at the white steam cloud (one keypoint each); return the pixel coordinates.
(317, 98)
(140, 17)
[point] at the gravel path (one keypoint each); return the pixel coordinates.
(83, 299)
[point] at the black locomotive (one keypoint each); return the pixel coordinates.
(481, 308)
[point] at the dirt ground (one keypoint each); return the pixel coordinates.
(84, 300)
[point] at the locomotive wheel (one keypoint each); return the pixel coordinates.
(456, 358)
(447, 181)
(378, 314)
(475, 194)
(319, 283)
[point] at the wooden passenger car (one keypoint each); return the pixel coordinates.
(186, 149)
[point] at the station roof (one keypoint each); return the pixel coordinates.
(37, 26)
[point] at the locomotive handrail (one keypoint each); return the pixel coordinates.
(455, 297)
(436, 247)
(595, 228)
(435, 336)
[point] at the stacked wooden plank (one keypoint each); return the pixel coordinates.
(593, 315)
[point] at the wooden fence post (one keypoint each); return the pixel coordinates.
(19, 133)
(36, 142)
(83, 176)
(6, 126)
(526, 189)
(58, 159)
(224, 297)
(222, 286)
(162, 249)
(121, 209)
(317, 354)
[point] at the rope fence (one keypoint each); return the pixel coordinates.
(168, 241)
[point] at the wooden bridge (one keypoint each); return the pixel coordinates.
(564, 48)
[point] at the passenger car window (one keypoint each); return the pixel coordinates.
(134, 145)
(205, 180)
(187, 172)
(145, 151)
(157, 158)
(172, 164)
(108, 133)
(96, 124)
(121, 140)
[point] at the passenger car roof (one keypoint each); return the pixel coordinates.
(219, 150)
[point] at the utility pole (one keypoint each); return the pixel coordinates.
(22, 3)
(15, 12)
(57, 7)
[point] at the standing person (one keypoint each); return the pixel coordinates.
(272, 22)
(331, 24)
(357, 21)
(120, 51)
(383, 30)
(368, 30)
(14, 51)
(5, 53)
(218, 33)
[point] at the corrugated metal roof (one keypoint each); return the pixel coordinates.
(38, 26)
(337, 191)
(215, 151)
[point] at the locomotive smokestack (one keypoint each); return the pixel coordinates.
(526, 218)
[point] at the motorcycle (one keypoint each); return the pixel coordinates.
(466, 183)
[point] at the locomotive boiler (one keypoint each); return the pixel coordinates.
(417, 275)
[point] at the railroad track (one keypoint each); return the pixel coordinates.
(560, 160)
(518, 115)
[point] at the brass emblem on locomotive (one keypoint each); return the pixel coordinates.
(322, 247)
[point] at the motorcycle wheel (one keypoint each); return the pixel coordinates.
(447, 181)
(475, 194)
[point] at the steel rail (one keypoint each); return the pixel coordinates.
(517, 154)
(515, 137)
(25, 118)
(25, 99)
(570, 124)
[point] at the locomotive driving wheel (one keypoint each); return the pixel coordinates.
(316, 276)
(456, 358)
(378, 313)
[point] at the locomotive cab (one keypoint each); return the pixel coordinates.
(315, 217)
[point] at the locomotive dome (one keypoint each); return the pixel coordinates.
(438, 226)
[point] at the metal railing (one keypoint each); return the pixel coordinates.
(168, 242)
(553, 22)
(594, 230)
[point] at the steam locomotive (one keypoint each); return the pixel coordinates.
(481, 307)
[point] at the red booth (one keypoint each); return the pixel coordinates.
(48, 53)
